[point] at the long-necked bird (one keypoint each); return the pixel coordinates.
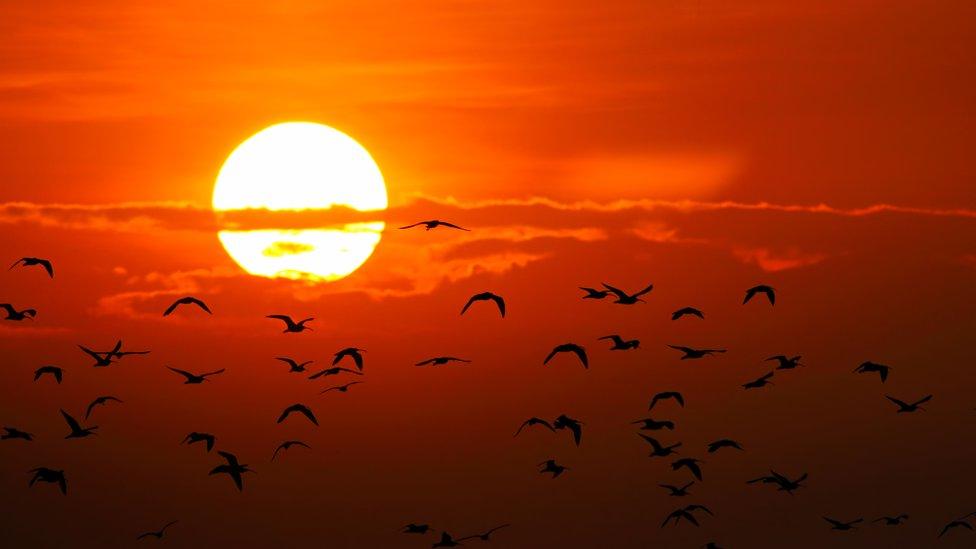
(344, 388)
(77, 431)
(623, 298)
(440, 360)
(691, 354)
(761, 381)
(335, 370)
(593, 293)
(485, 536)
(291, 325)
(293, 365)
(658, 449)
(892, 521)
(31, 261)
(574, 425)
(413, 528)
(101, 359)
(905, 407)
(446, 541)
(433, 224)
(534, 421)
(677, 491)
(841, 525)
(232, 468)
(194, 379)
(486, 296)
(188, 300)
(621, 344)
(691, 464)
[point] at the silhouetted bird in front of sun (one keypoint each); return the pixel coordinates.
(54, 371)
(785, 362)
(623, 298)
(344, 388)
(433, 224)
(872, 367)
(769, 291)
(759, 382)
(550, 466)
(232, 468)
(692, 464)
(298, 408)
(188, 300)
(335, 370)
(621, 344)
(158, 534)
(13, 432)
(485, 536)
(896, 520)
(32, 261)
(354, 352)
(293, 365)
(77, 431)
(195, 379)
(53, 476)
(677, 491)
(841, 525)
(658, 449)
(723, 443)
(686, 311)
(291, 325)
(195, 437)
(905, 407)
(446, 541)
(288, 444)
(100, 401)
(486, 296)
(440, 361)
(691, 354)
(416, 528)
(593, 293)
(650, 424)
(667, 395)
(14, 314)
(577, 350)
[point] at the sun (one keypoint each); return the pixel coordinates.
(300, 166)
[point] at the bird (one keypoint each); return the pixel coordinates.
(341, 388)
(579, 351)
(13, 432)
(650, 424)
(784, 483)
(685, 311)
(188, 300)
(433, 224)
(677, 491)
(550, 466)
(288, 444)
(621, 344)
(957, 523)
(101, 359)
(446, 541)
(870, 367)
(843, 526)
(657, 449)
(440, 360)
(291, 325)
(14, 314)
(534, 421)
(623, 298)
(293, 365)
(44, 474)
(686, 514)
(117, 352)
(761, 289)
(77, 431)
(31, 261)
(892, 521)
(232, 468)
(301, 409)
(58, 373)
(906, 407)
(354, 352)
(758, 382)
(486, 296)
(566, 422)
(195, 437)
(158, 534)
(486, 536)
(99, 402)
(194, 379)
(416, 528)
(691, 464)
(593, 293)
(723, 443)
(785, 362)
(666, 395)
(691, 354)
(335, 370)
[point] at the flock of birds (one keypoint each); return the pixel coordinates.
(233, 468)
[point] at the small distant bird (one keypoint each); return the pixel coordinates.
(870, 367)
(550, 466)
(58, 373)
(291, 325)
(301, 409)
(293, 365)
(433, 224)
(446, 541)
(676, 491)
(54, 476)
(232, 468)
(566, 422)
(77, 431)
(486, 536)
(904, 407)
(579, 351)
(341, 388)
(335, 370)
(195, 437)
(723, 443)
(593, 293)
(843, 526)
(354, 352)
(686, 514)
(188, 300)
(691, 464)
(650, 424)
(440, 360)
(14, 314)
(288, 444)
(691, 354)
(31, 261)
(416, 528)
(784, 483)
(158, 534)
(960, 522)
(13, 432)
(534, 421)
(194, 379)
(100, 401)
(687, 311)
(892, 521)
(101, 359)
(785, 362)
(657, 449)
(666, 395)
(621, 344)
(623, 298)
(761, 289)
(117, 352)
(486, 296)
(758, 382)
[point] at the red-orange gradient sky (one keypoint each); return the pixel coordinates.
(705, 147)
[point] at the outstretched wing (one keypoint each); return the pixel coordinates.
(900, 403)
(644, 291)
(471, 300)
(172, 308)
(47, 266)
(581, 353)
(215, 372)
(308, 413)
(499, 300)
(72, 423)
(183, 373)
(453, 226)
(923, 400)
(412, 226)
(616, 291)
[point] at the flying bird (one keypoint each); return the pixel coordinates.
(904, 407)
(550, 466)
(785, 362)
(291, 325)
(14, 314)
(354, 352)
(58, 373)
(188, 300)
(593, 293)
(416, 528)
(433, 224)
(960, 522)
(158, 534)
(335, 370)
(691, 464)
(288, 444)
(691, 354)
(657, 449)
(13, 432)
(761, 289)
(341, 388)
(486, 536)
(784, 483)
(77, 431)
(650, 424)
(100, 401)
(446, 541)
(101, 359)
(842, 526)
(293, 365)
(758, 382)
(31, 261)
(892, 521)
(723, 443)
(871, 367)
(686, 514)
(54, 476)
(301, 409)
(566, 422)
(194, 379)
(534, 421)
(621, 344)
(677, 491)
(623, 298)
(666, 395)
(685, 311)
(440, 360)
(580, 353)
(232, 468)
(117, 352)
(486, 296)
(195, 437)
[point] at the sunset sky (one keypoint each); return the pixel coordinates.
(706, 147)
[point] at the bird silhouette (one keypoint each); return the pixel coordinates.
(188, 300)
(54, 476)
(650, 424)
(580, 353)
(433, 224)
(416, 528)
(960, 522)
(761, 289)
(691, 354)
(195, 437)
(288, 444)
(486, 296)
(77, 431)
(31, 261)
(335, 370)
(232, 468)
(566, 422)
(117, 352)
(341, 388)
(291, 325)
(758, 382)
(100, 401)
(842, 526)
(676, 491)
(194, 379)
(593, 293)
(550, 466)
(667, 395)
(485, 536)
(784, 483)
(101, 359)
(871, 367)
(534, 421)
(904, 407)
(293, 365)
(58, 373)
(14, 314)
(892, 521)
(623, 298)
(691, 464)
(685, 513)
(723, 443)
(785, 362)
(621, 344)
(354, 352)
(440, 360)
(657, 449)
(301, 409)
(686, 311)
(446, 539)
(158, 534)
(13, 432)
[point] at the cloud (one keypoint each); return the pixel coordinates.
(772, 262)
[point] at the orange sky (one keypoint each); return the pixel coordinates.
(701, 146)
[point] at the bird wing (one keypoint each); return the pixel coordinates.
(412, 226)
(650, 440)
(500, 302)
(183, 373)
(679, 398)
(210, 441)
(644, 291)
(284, 318)
(923, 400)
(577, 430)
(900, 403)
(172, 307)
(883, 372)
(63, 485)
(453, 226)
(685, 350)
(72, 423)
(308, 413)
(200, 303)
(471, 300)
(18, 262)
(287, 361)
(833, 522)
(94, 403)
(285, 413)
(47, 266)
(215, 372)
(550, 355)
(357, 357)
(229, 457)
(534, 421)
(425, 362)
(581, 353)
(617, 291)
